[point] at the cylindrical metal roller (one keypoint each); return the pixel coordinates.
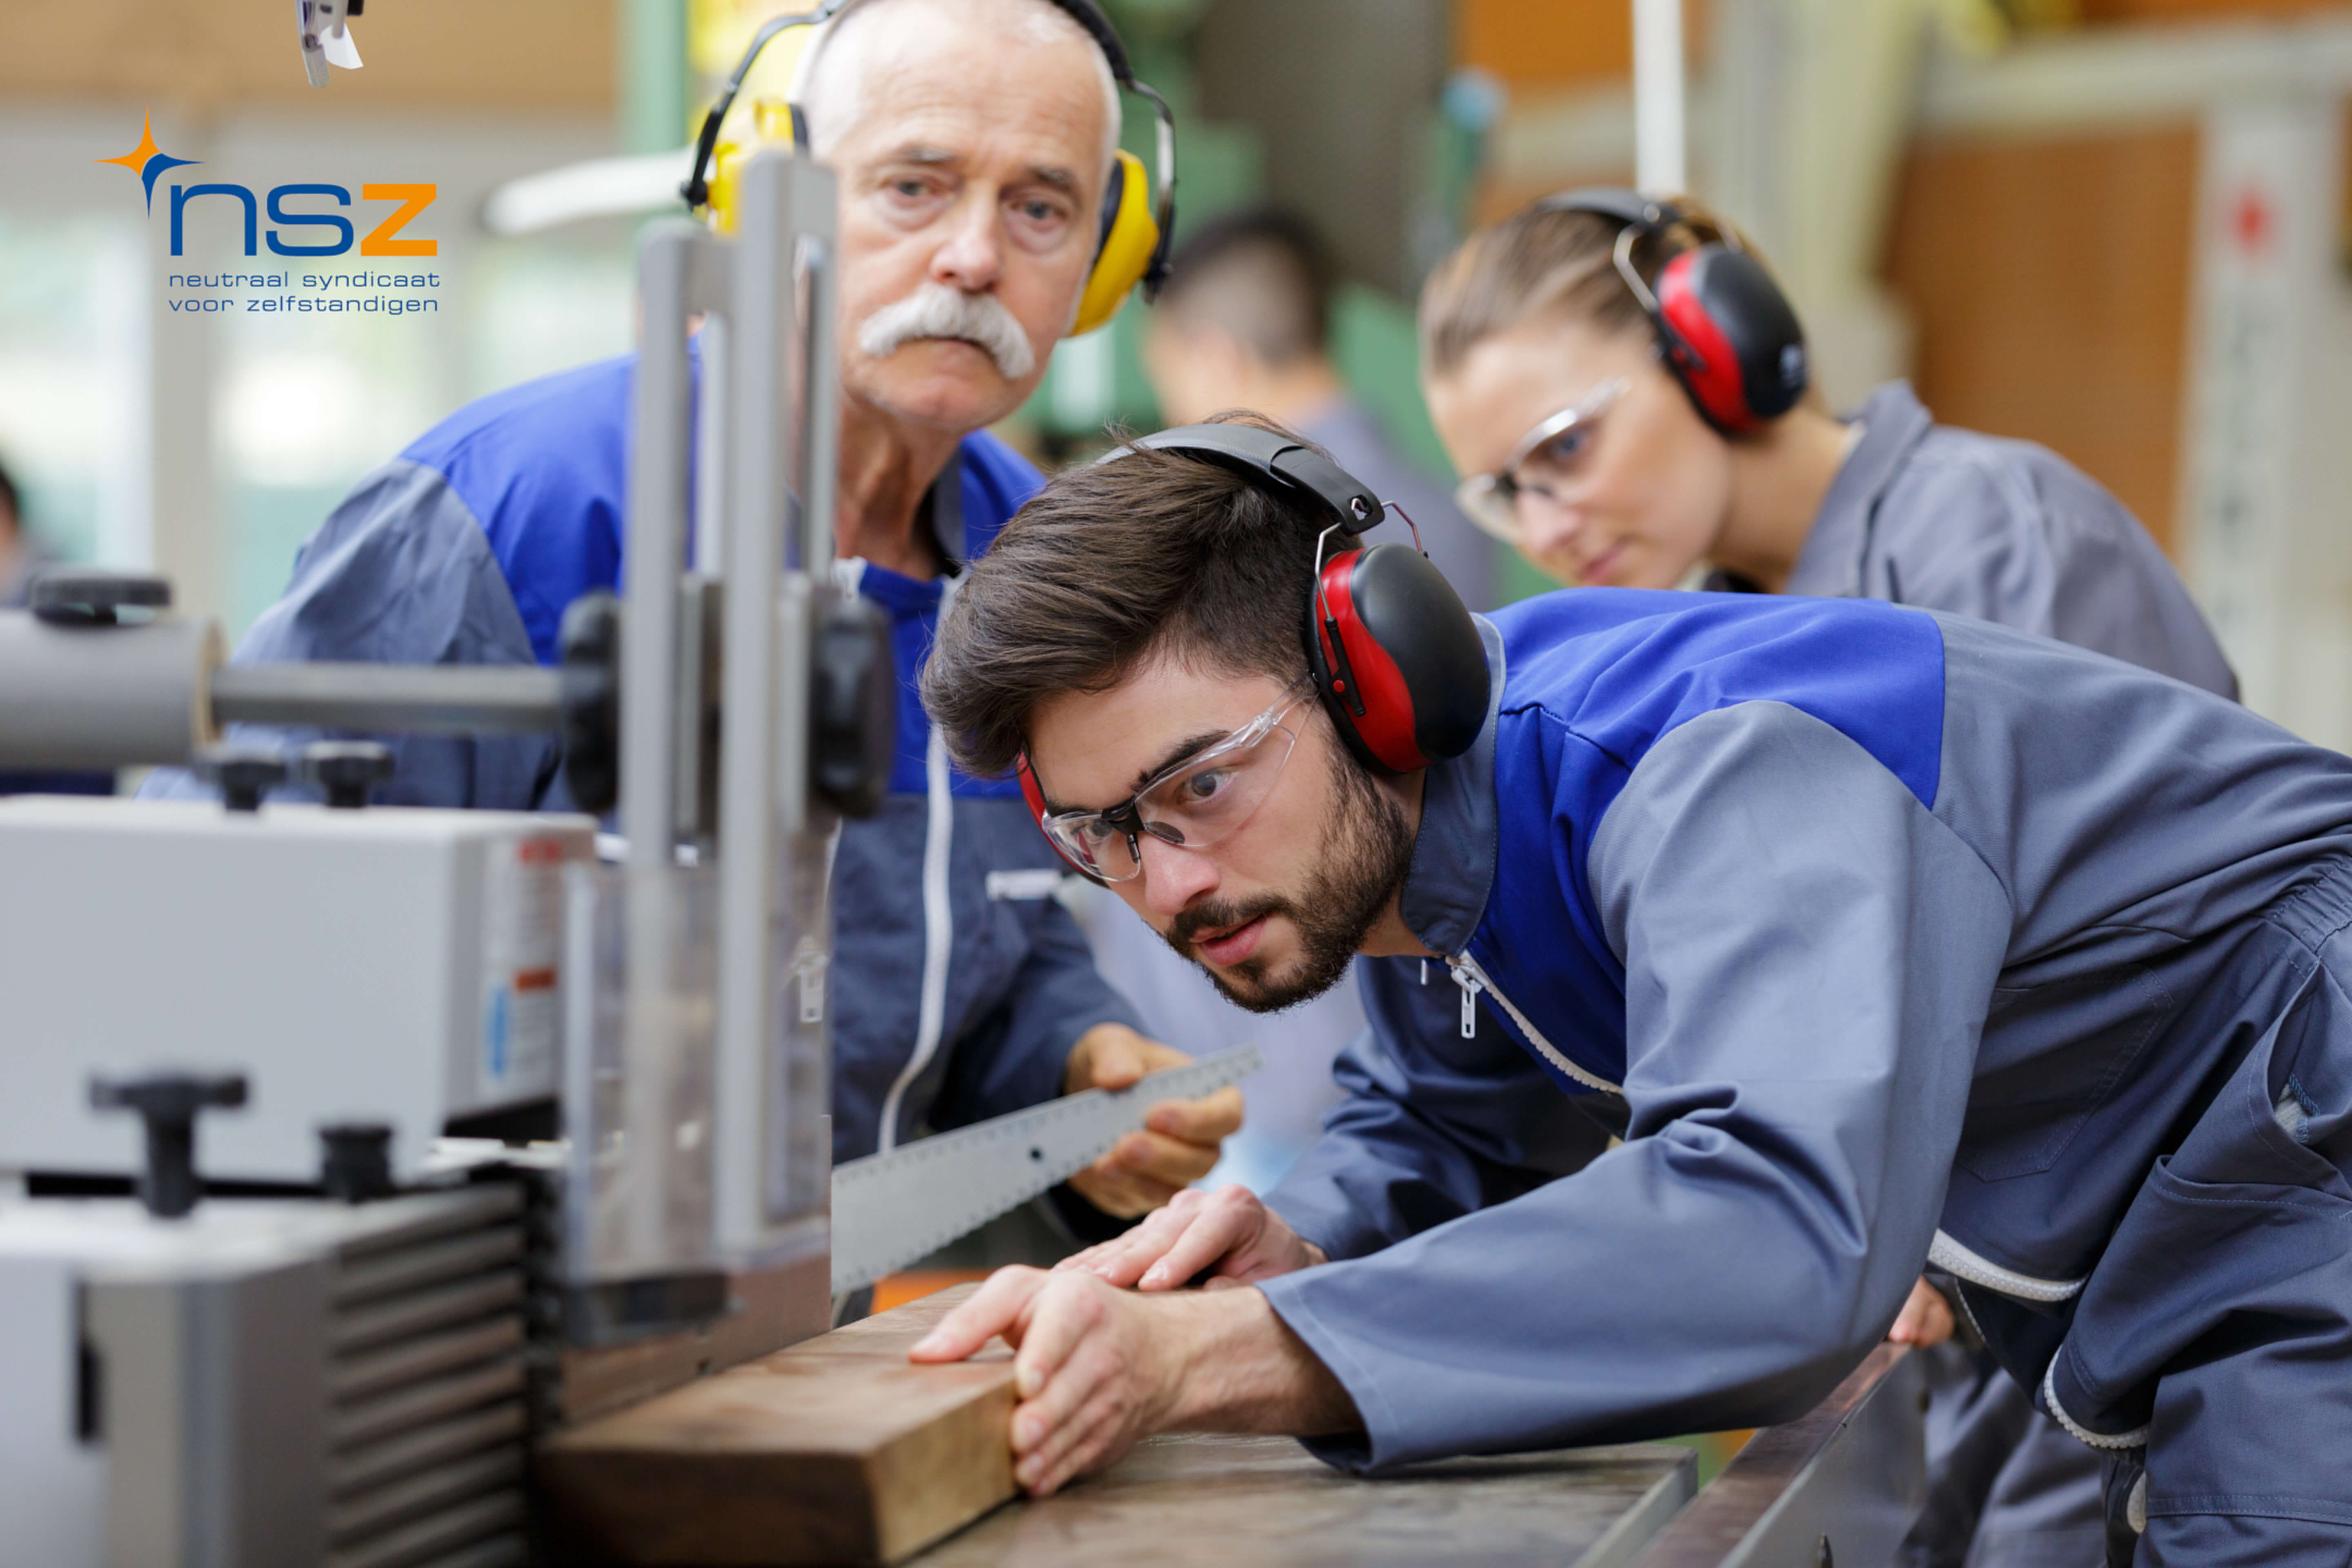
(104, 696)
(394, 699)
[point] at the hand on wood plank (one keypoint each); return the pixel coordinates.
(1228, 1232)
(1098, 1369)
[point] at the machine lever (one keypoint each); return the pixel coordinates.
(169, 1103)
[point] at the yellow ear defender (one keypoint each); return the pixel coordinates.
(1136, 232)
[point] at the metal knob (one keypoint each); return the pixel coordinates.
(169, 1103)
(355, 1161)
(244, 776)
(591, 640)
(852, 707)
(346, 771)
(85, 596)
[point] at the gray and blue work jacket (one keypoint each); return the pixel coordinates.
(1904, 937)
(960, 983)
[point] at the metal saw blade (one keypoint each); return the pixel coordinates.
(891, 1209)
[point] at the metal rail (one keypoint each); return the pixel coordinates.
(1837, 1488)
(414, 699)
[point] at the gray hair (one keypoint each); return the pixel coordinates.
(829, 85)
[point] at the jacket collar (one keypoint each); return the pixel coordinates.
(1829, 567)
(942, 504)
(1453, 868)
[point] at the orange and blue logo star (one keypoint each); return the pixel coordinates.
(147, 161)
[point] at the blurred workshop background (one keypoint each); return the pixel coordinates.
(2118, 227)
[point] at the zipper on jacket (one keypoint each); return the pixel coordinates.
(1473, 980)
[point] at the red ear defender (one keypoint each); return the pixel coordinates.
(1730, 337)
(1725, 329)
(1396, 657)
(1397, 660)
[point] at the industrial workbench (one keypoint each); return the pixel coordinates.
(1836, 1489)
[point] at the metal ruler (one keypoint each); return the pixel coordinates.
(888, 1210)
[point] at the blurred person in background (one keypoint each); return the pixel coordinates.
(21, 560)
(1548, 376)
(973, 141)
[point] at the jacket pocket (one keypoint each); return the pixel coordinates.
(2051, 1056)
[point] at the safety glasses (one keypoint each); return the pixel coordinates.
(1193, 805)
(1543, 469)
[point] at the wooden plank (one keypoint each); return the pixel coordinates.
(1260, 1502)
(837, 1450)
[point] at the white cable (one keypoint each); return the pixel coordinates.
(939, 933)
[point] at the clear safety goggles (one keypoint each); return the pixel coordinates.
(1193, 805)
(1543, 469)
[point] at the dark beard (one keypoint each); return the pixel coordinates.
(1367, 847)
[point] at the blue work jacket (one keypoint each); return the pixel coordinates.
(1902, 938)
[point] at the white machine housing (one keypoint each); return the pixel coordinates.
(264, 1383)
(388, 964)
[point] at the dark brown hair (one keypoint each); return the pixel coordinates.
(1541, 261)
(1110, 565)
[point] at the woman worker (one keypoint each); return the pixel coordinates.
(1627, 389)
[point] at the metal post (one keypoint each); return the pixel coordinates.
(1658, 121)
(655, 555)
(782, 405)
(749, 842)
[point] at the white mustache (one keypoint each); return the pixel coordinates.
(935, 310)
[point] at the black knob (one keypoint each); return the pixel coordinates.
(591, 642)
(85, 597)
(243, 775)
(346, 771)
(852, 707)
(168, 1102)
(355, 1161)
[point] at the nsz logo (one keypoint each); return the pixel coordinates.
(147, 161)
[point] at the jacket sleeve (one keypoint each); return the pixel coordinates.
(2009, 532)
(400, 572)
(1013, 1056)
(1434, 1126)
(1809, 954)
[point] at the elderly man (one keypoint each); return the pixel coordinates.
(972, 140)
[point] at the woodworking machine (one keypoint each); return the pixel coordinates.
(342, 1147)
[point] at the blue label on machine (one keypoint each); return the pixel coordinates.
(495, 1032)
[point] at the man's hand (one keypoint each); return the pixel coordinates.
(1926, 1319)
(1146, 1169)
(1230, 1228)
(1096, 1369)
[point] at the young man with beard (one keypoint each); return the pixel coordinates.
(972, 140)
(1900, 937)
